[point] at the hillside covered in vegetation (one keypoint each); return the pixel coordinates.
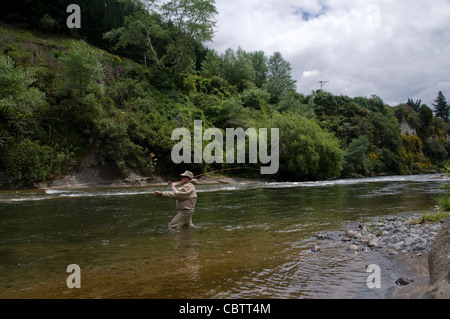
(115, 90)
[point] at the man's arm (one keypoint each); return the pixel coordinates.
(182, 193)
(172, 185)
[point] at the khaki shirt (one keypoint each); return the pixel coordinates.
(185, 195)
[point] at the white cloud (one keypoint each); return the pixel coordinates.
(394, 49)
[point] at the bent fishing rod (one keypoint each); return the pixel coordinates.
(218, 171)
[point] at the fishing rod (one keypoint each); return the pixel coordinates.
(225, 170)
(218, 171)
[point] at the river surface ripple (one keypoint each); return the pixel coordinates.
(250, 240)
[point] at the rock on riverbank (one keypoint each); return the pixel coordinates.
(439, 264)
(418, 251)
(394, 234)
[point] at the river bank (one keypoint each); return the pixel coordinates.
(98, 178)
(407, 243)
(94, 177)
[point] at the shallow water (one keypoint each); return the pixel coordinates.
(250, 241)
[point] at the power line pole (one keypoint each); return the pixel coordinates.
(322, 83)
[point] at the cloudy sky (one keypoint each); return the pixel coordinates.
(396, 49)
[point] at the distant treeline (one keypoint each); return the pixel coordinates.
(63, 99)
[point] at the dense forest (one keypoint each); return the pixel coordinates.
(116, 88)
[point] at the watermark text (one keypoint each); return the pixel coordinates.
(374, 18)
(374, 280)
(235, 140)
(74, 280)
(73, 20)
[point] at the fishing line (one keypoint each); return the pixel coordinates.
(225, 170)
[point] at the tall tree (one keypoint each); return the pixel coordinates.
(441, 107)
(415, 105)
(259, 62)
(279, 77)
(238, 69)
(141, 28)
(426, 119)
(180, 25)
(18, 98)
(194, 18)
(193, 23)
(82, 72)
(211, 65)
(355, 158)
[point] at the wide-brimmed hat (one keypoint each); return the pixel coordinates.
(188, 174)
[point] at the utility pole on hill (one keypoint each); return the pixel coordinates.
(322, 83)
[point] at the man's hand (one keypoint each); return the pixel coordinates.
(158, 193)
(172, 185)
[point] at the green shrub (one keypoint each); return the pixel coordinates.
(306, 151)
(444, 202)
(444, 199)
(29, 161)
(428, 217)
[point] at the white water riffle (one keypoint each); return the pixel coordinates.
(47, 194)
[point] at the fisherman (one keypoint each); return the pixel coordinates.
(186, 198)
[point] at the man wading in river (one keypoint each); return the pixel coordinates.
(186, 198)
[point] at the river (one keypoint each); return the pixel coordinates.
(250, 240)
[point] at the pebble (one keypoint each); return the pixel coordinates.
(404, 281)
(351, 233)
(395, 234)
(399, 234)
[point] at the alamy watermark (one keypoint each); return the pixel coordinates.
(374, 280)
(374, 18)
(73, 20)
(235, 139)
(74, 280)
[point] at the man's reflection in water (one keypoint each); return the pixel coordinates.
(187, 253)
